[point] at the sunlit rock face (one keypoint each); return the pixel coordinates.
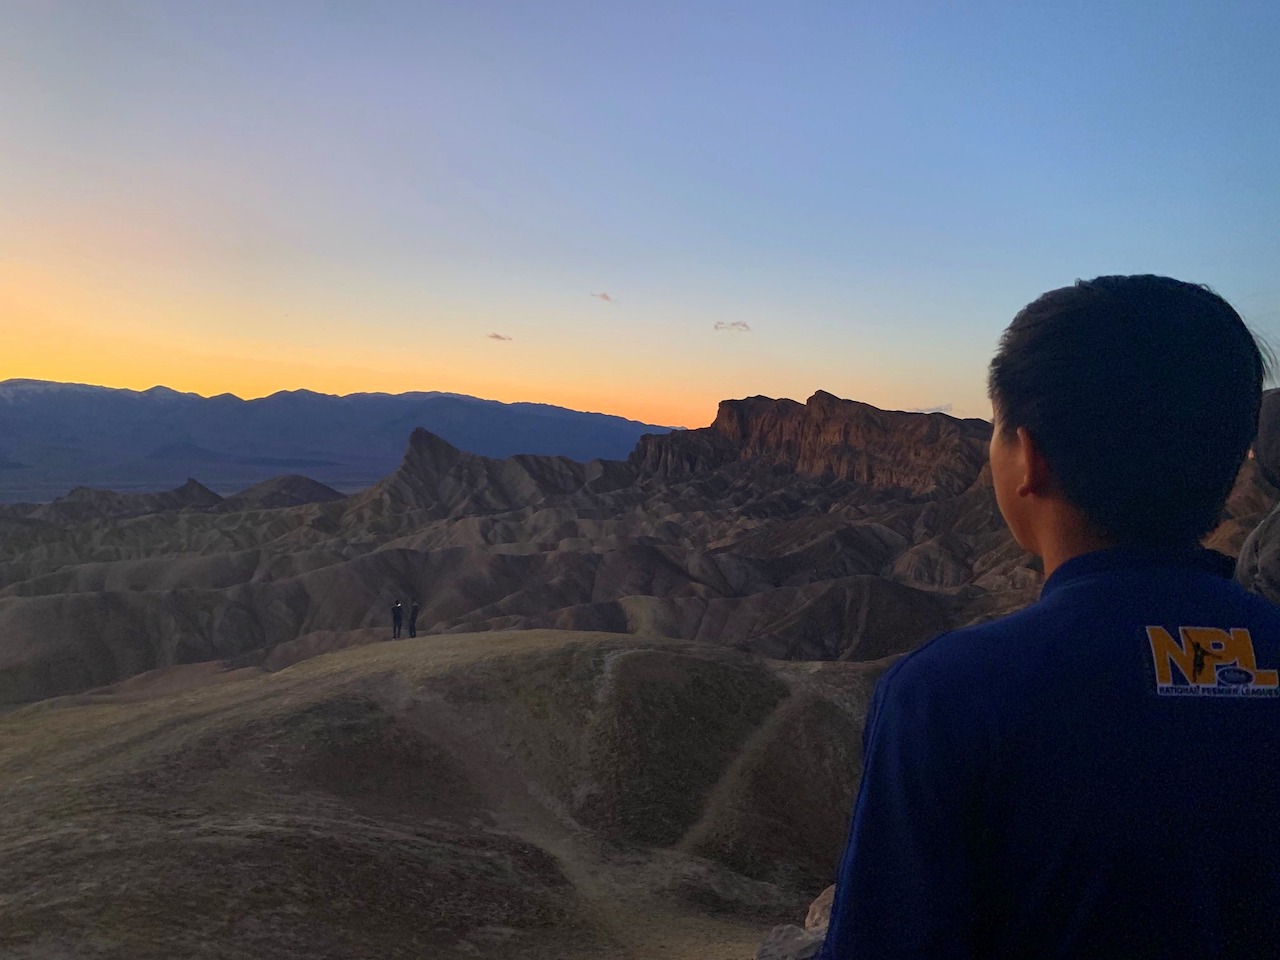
(917, 454)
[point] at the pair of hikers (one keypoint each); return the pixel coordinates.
(397, 618)
(1095, 776)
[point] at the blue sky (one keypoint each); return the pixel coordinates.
(342, 196)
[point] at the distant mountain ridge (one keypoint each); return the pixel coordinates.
(57, 436)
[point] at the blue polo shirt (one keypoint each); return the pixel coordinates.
(1095, 776)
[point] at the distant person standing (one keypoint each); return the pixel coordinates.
(397, 617)
(413, 619)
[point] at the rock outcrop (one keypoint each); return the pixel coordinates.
(437, 480)
(912, 453)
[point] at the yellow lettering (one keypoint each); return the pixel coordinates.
(1201, 651)
(1166, 651)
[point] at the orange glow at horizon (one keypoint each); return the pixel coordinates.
(47, 335)
(107, 320)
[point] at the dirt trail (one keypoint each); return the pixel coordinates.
(612, 885)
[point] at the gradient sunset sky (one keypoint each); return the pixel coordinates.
(353, 196)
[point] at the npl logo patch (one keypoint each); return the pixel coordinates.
(1209, 662)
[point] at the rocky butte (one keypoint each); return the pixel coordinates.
(630, 725)
(910, 453)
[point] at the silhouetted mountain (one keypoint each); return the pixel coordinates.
(59, 436)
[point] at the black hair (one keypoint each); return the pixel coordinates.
(1142, 392)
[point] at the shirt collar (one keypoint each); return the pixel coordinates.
(1118, 559)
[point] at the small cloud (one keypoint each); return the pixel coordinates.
(499, 336)
(605, 297)
(735, 326)
(939, 408)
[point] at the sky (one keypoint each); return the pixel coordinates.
(777, 198)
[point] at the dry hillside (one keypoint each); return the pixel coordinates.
(532, 794)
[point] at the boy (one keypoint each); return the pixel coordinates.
(1097, 775)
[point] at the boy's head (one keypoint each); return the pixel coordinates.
(1139, 397)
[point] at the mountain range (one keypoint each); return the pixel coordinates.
(54, 436)
(816, 531)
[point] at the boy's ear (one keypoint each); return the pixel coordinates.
(1037, 478)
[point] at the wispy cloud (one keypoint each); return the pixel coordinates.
(940, 408)
(605, 297)
(499, 336)
(733, 326)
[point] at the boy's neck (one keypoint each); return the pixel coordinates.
(1064, 535)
